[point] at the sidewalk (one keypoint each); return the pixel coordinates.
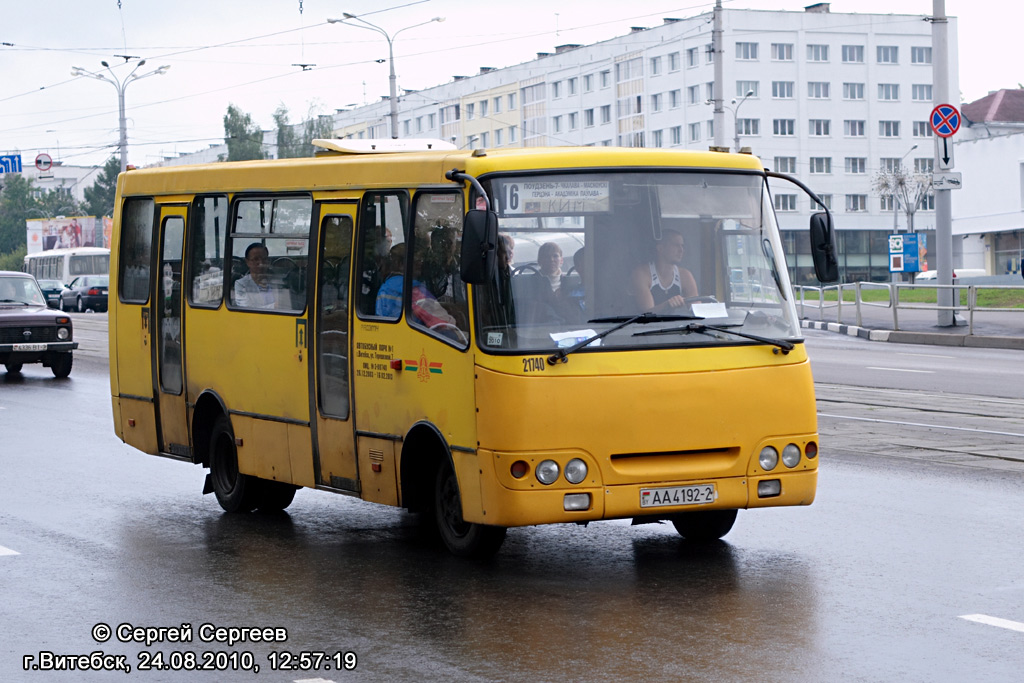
(993, 330)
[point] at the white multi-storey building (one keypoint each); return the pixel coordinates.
(832, 98)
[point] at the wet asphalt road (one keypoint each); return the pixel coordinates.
(871, 583)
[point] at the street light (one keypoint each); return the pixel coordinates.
(391, 56)
(120, 86)
(735, 117)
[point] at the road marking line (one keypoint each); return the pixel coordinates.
(919, 424)
(922, 355)
(994, 621)
(924, 372)
(8, 551)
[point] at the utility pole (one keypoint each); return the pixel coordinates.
(718, 54)
(943, 199)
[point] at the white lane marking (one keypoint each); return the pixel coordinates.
(922, 355)
(994, 621)
(923, 372)
(8, 551)
(919, 424)
(313, 680)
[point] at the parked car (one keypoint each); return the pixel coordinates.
(85, 292)
(29, 331)
(51, 290)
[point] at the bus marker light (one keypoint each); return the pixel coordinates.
(396, 365)
(769, 488)
(238, 441)
(131, 421)
(576, 501)
(375, 466)
(519, 469)
(811, 450)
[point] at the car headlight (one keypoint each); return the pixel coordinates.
(791, 455)
(63, 333)
(547, 472)
(575, 471)
(769, 458)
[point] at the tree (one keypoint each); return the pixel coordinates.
(16, 205)
(242, 136)
(316, 127)
(906, 189)
(99, 199)
(289, 145)
(287, 142)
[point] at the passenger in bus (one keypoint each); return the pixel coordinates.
(498, 306)
(441, 270)
(254, 289)
(426, 311)
(376, 249)
(544, 300)
(574, 293)
(662, 284)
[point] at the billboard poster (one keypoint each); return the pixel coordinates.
(44, 234)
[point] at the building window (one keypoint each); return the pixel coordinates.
(886, 202)
(470, 110)
(748, 126)
(656, 139)
(709, 90)
(785, 202)
(888, 92)
(856, 202)
(821, 164)
(693, 94)
(655, 66)
(629, 106)
(743, 87)
(574, 120)
(782, 90)
(588, 118)
(606, 78)
(677, 135)
(674, 98)
(419, 124)
(853, 91)
(497, 105)
(673, 61)
(784, 127)
(856, 165)
(922, 129)
(853, 54)
(924, 165)
(826, 199)
(889, 129)
(819, 127)
(512, 130)
(484, 139)
(606, 113)
(817, 53)
(571, 85)
(498, 137)
(818, 90)
(711, 128)
(785, 164)
(691, 57)
(853, 128)
(588, 83)
(927, 202)
(889, 164)
(709, 53)
(888, 54)
(432, 120)
(511, 101)
(556, 124)
(556, 90)
(921, 92)
(694, 132)
(746, 50)
(656, 102)
(782, 52)
(483, 108)
(920, 55)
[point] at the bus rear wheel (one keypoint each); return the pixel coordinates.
(462, 538)
(236, 492)
(704, 525)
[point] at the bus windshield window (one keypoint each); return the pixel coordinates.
(575, 248)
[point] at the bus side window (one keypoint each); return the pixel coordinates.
(382, 223)
(332, 323)
(137, 225)
(439, 300)
(206, 253)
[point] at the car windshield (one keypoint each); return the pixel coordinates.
(19, 290)
(580, 253)
(50, 284)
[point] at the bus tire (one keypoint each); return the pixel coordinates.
(704, 525)
(236, 492)
(462, 538)
(61, 363)
(275, 496)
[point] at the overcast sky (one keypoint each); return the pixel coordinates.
(246, 52)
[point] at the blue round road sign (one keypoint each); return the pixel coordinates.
(945, 120)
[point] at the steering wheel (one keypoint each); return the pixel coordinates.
(458, 334)
(526, 268)
(289, 263)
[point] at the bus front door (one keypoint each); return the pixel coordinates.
(331, 400)
(167, 333)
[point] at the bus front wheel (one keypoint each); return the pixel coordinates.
(236, 492)
(462, 538)
(704, 525)
(275, 496)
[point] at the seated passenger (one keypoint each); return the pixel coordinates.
(546, 298)
(426, 311)
(662, 285)
(254, 289)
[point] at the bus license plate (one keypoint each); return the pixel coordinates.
(29, 347)
(678, 495)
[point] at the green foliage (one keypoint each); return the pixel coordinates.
(14, 260)
(242, 136)
(16, 205)
(287, 142)
(99, 199)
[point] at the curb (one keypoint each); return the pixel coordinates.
(928, 338)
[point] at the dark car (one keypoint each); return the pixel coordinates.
(85, 292)
(29, 331)
(51, 290)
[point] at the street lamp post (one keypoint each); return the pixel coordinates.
(391, 57)
(735, 118)
(120, 86)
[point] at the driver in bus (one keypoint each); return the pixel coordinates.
(662, 284)
(254, 289)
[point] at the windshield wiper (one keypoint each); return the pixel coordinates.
(13, 301)
(701, 328)
(623, 321)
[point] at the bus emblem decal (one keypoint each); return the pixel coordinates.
(423, 368)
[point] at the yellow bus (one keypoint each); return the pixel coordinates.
(495, 338)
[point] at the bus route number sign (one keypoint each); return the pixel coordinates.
(535, 197)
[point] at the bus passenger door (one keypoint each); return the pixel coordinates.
(330, 402)
(167, 333)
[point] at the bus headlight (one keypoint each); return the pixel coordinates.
(63, 333)
(769, 458)
(547, 472)
(791, 455)
(575, 471)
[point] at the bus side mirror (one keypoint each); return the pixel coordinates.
(823, 247)
(479, 247)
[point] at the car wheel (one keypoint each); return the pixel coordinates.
(462, 538)
(13, 368)
(60, 303)
(236, 492)
(79, 306)
(61, 364)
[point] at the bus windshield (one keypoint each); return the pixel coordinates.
(579, 253)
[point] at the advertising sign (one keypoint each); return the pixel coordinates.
(906, 252)
(44, 234)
